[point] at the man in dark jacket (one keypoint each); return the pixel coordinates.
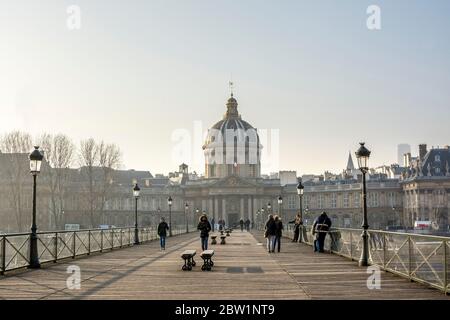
(320, 228)
(205, 227)
(241, 222)
(162, 233)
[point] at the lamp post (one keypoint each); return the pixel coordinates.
(363, 155)
(269, 206)
(36, 158)
(280, 205)
(186, 209)
(169, 202)
(300, 190)
(136, 191)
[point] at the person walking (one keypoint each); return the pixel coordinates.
(205, 227)
(247, 225)
(278, 233)
(270, 231)
(213, 224)
(162, 233)
(320, 229)
(241, 223)
(297, 223)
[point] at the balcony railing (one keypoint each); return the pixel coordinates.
(57, 245)
(421, 258)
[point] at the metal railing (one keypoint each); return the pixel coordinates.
(420, 258)
(57, 245)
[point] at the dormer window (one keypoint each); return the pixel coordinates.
(437, 158)
(438, 170)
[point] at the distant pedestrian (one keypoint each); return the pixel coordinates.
(241, 223)
(278, 233)
(320, 229)
(297, 223)
(247, 224)
(212, 224)
(270, 232)
(162, 233)
(205, 227)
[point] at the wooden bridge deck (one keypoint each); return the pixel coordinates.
(243, 270)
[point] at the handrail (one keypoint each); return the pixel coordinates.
(418, 257)
(62, 244)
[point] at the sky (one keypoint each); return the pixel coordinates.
(145, 74)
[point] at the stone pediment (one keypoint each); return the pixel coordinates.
(235, 182)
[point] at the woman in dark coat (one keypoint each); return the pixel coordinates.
(205, 227)
(278, 232)
(270, 233)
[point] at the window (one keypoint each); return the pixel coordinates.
(374, 199)
(333, 200)
(346, 201)
(357, 200)
(391, 199)
(438, 170)
(291, 202)
(305, 201)
(437, 158)
(320, 202)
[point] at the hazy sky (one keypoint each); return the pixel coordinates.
(138, 71)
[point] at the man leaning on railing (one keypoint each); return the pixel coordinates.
(320, 229)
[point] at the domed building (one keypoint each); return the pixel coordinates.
(232, 187)
(232, 147)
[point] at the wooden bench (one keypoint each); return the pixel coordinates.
(207, 262)
(188, 257)
(214, 241)
(222, 239)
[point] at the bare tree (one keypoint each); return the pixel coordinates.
(88, 158)
(109, 161)
(17, 146)
(99, 162)
(59, 151)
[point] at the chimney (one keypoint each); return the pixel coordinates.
(406, 159)
(422, 151)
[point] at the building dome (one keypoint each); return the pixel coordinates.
(237, 141)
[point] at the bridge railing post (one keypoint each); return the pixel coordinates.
(3, 265)
(101, 240)
(56, 248)
(384, 250)
(89, 242)
(74, 245)
(351, 245)
(445, 266)
(409, 257)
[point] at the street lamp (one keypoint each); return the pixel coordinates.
(169, 202)
(186, 209)
(363, 155)
(136, 191)
(280, 204)
(269, 206)
(36, 158)
(300, 190)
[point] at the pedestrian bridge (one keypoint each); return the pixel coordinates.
(112, 268)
